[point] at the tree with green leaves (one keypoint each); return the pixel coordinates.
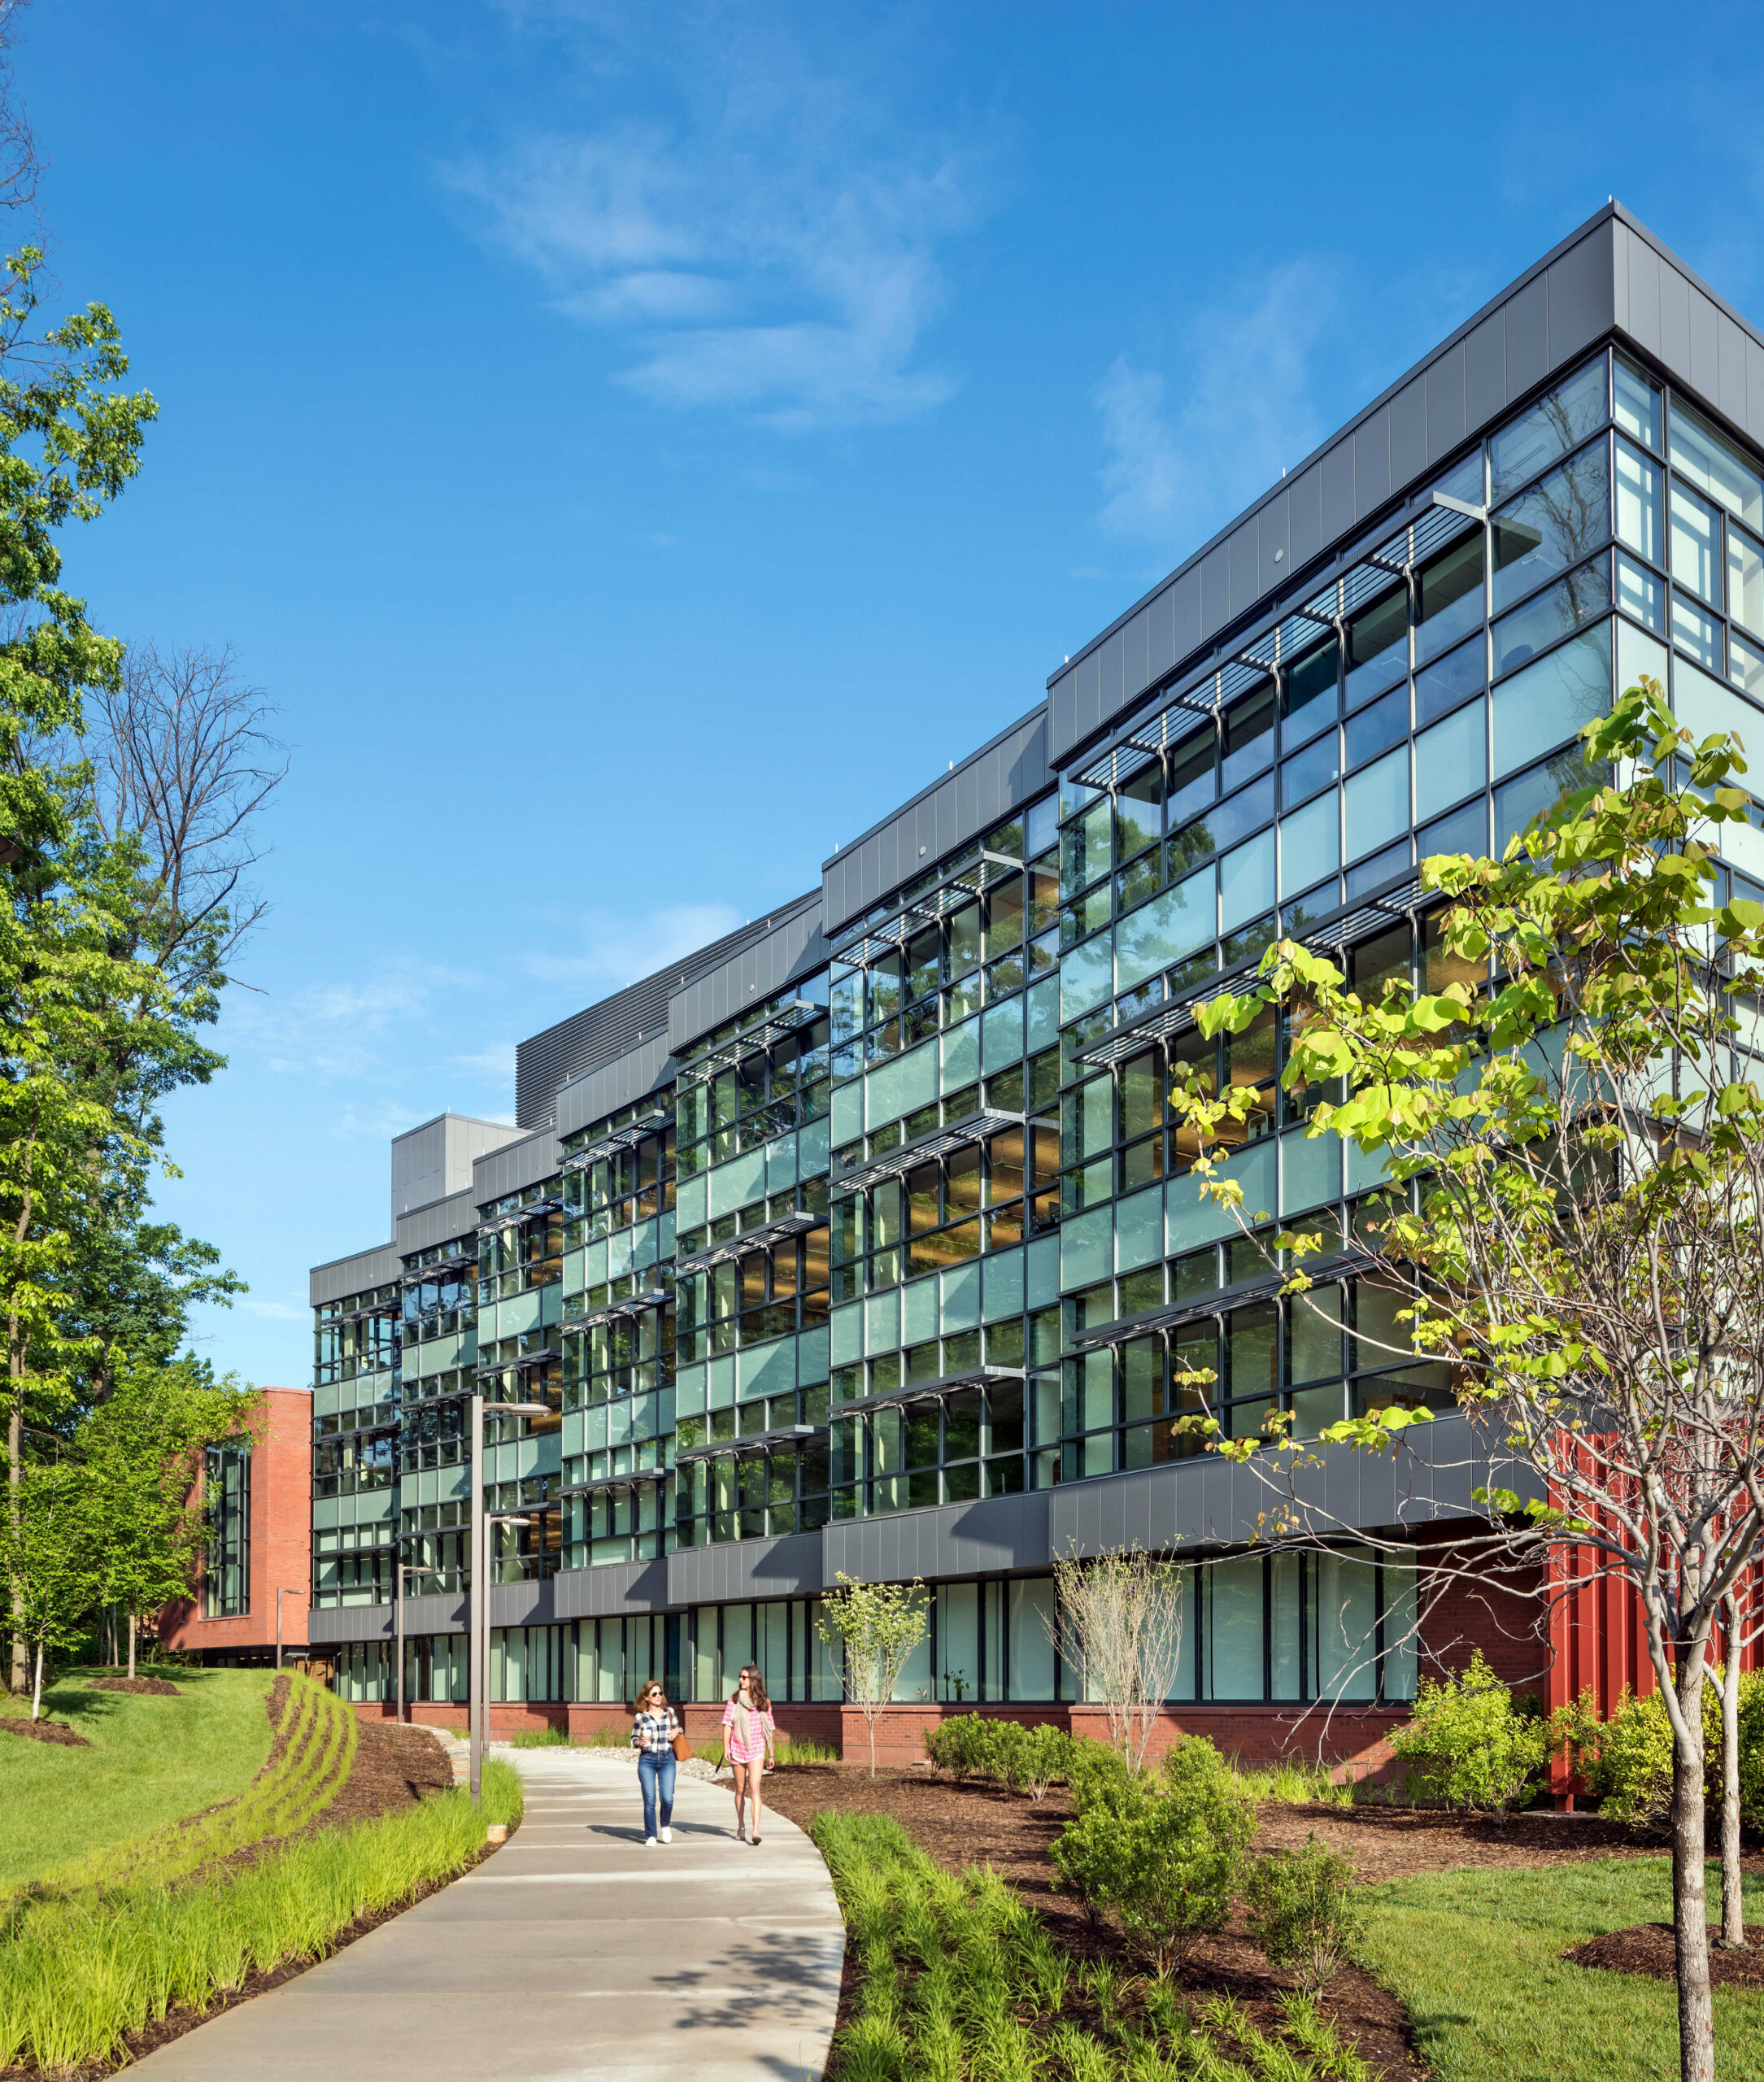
(876, 1627)
(52, 1542)
(140, 1449)
(1574, 1148)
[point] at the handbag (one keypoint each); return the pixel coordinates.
(682, 1748)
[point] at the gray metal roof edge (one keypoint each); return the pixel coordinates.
(447, 1113)
(1633, 222)
(459, 1193)
(367, 1251)
(1034, 715)
(1610, 212)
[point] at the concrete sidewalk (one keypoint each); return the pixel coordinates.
(571, 1952)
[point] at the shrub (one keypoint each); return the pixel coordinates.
(1161, 1857)
(1469, 1745)
(1303, 1911)
(960, 1746)
(1041, 1759)
(1626, 1763)
(1098, 1775)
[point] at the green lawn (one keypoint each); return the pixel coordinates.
(152, 1762)
(1476, 1957)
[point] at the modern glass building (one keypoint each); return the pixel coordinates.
(862, 1241)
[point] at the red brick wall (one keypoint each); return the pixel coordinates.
(282, 1537)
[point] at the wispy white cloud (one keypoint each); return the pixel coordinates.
(611, 951)
(772, 245)
(277, 1312)
(495, 1064)
(1181, 454)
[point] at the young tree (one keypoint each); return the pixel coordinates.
(141, 1450)
(1118, 1620)
(876, 1626)
(1576, 1154)
(49, 1550)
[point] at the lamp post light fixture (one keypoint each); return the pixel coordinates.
(478, 1651)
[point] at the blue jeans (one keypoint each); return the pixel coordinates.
(649, 1769)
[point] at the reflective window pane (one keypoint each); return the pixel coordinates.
(1696, 545)
(1745, 579)
(1553, 426)
(1640, 594)
(1552, 526)
(1697, 633)
(1569, 605)
(1637, 404)
(1711, 460)
(1638, 502)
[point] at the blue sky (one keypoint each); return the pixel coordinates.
(635, 448)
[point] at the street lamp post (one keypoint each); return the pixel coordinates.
(280, 1588)
(478, 1615)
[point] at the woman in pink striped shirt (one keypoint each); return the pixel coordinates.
(750, 1744)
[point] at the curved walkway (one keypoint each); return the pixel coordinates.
(571, 1952)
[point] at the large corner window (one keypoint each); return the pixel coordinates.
(226, 1498)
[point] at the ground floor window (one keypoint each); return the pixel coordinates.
(1337, 1624)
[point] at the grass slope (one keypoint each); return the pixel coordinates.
(152, 1762)
(77, 1974)
(1476, 1958)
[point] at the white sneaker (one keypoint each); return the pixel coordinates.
(667, 1835)
(649, 1843)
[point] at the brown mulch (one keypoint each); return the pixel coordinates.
(963, 1825)
(149, 1688)
(1646, 1949)
(394, 1767)
(55, 1731)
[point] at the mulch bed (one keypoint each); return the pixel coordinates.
(1648, 1949)
(963, 1825)
(42, 1731)
(148, 1687)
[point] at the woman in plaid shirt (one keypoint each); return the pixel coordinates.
(653, 1728)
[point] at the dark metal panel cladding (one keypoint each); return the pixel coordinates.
(522, 1164)
(1215, 590)
(1338, 489)
(1582, 292)
(1062, 711)
(639, 1012)
(614, 1587)
(1372, 463)
(785, 943)
(1485, 371)
(1675, 320)
(1185, 611)
(1136, 653)
(1108, 674)
(1307, 506)
(1243, 560)
(1754, 389)
(1527, 337)
(440, 1222)
(626, 1078)
(996, 781)
(1706, 353)
(1730, 347)
(1162, 632)
(354, 1274)
(1445, 403)
(788, 1567)
(1408, 430)
(1273, 542)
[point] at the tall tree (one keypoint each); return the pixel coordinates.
(1576, 1154)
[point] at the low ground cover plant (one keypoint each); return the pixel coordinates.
(79, 1972)
(958, 1977)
